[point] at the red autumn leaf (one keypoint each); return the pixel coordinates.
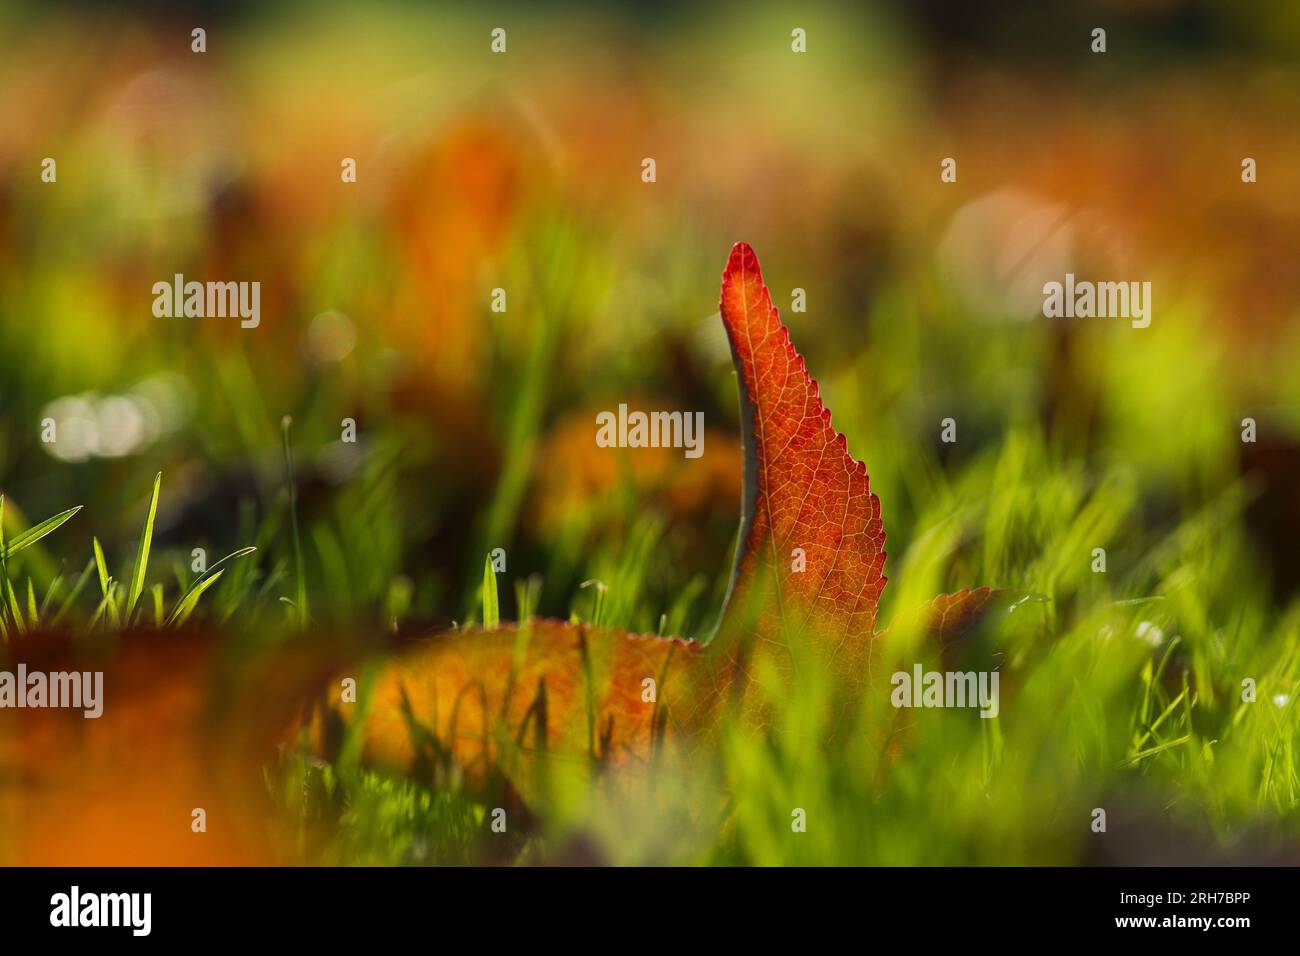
(811, 534)
(803, 490)
(494, 699)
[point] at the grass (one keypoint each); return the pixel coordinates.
(1124, 693)
(491, 604)
(291, 483)
(114, 610)
(142, 554)
(1123, 690)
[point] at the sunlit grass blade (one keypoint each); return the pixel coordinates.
(200, 585)
(300, 575)
(101, 566)
(527, 595)
(156, 592)
(114, 599)
(109, 608)
(51, 592)
(101, 611)
(600, 589)
(34, 534)
(142, 554)
(491, 604)
(4, 571)
(191, 600)
(15, 612)
(1160, 748)
(33, 612)
(75, 593)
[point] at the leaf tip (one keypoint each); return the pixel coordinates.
(742, 259)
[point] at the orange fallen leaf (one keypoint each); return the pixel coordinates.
(493, 700)
(580, 474)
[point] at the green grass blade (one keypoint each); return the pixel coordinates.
(33, 613)
(105, 603)
(75, 593)
(527, 596)
(102, 567)
(51, 593)
(191, 600)
(15, 612)
(598, 600)
(200, 585)
(156, 592)
(114, 599)
(32, 535)
(491, 604)
(300, 575)
(1159, 748)
(4, 571)
(142, 555)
